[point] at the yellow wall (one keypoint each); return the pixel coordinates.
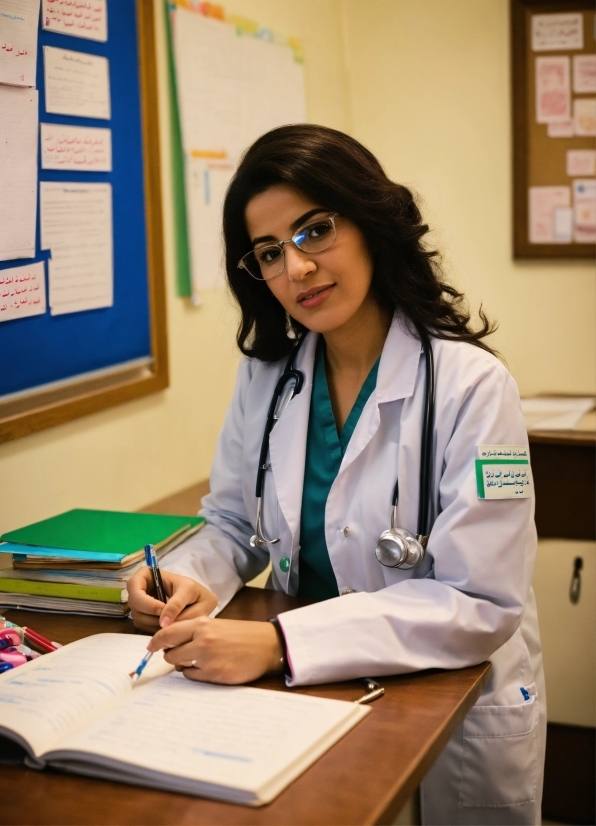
(429, 94)
(425, 84)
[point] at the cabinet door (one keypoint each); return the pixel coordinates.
(567, 629)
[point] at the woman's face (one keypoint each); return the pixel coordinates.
(323, 291)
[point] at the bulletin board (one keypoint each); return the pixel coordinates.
(554, 128)
(58, 367)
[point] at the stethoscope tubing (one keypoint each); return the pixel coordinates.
(426, 453)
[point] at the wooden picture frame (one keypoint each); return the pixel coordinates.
(535, 162)
(35, 411)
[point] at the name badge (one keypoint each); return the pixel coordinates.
(503, 472)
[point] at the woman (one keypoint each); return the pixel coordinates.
(321, 248)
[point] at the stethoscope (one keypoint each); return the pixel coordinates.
(396, 547)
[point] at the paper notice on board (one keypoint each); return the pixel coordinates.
(22, 291)
(206, 185)
(584, 116)
(86, 18)
(546, 223)
(584, 73)
(18, 41)
(76, 225)
(76, 83)
(18, 172)
(78, 148)
(584, 209)
(552, 32)
(565, 129)
(581, 162)
(553, 95)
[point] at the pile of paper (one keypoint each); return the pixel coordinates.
(555, 413)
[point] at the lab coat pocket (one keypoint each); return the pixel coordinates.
(499, 759)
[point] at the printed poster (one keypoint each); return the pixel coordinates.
(553, 90)
(584, 210)
(550, 219)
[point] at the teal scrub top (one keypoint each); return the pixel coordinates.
(325, 449)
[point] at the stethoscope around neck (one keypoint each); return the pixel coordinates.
(396, 547)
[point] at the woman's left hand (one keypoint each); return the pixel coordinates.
(220, 651)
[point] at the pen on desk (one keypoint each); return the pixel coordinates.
(151, 560)
(38, 640)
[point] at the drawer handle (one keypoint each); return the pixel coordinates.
(576, 580)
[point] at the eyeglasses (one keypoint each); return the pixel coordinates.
(269, 261)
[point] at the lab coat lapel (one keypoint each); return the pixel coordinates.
(287, 443)
(396, 379)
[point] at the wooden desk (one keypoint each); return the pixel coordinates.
(365, 778)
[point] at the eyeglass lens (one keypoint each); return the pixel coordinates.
(269, 261)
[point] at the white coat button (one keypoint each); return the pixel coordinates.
(346, 531)
(345, 591)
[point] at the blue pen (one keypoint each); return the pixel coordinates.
(134, 675)
(151, 561)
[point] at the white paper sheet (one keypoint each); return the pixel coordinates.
(22, 291)
(18, 172)
(206, 184)
(584, 73)
(565, 129)
(18, 41)
(563, 225)
(76, 83)
(580, 162)
(75, 147)
(551, 32)
(553, 95)
(584, 116)
(555, 413)
(76, 224)
(544, 201)
(584, 209)
(231, 89)
(80, 18)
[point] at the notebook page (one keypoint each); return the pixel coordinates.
(228, 736)
(55, 694)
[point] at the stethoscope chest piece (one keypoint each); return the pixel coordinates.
(398, 548)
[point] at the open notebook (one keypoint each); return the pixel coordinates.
(76, 710)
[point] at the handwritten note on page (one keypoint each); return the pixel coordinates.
(22, 292)
(76, 83)
(81, 18)
(75, 147)
(18, 172)
(76, 225)
(551, 32)
(18, 41)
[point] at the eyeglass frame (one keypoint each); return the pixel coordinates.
(242, 266)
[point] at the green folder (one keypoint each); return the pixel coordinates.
(93, 535)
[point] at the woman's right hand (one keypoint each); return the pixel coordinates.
(187, 599)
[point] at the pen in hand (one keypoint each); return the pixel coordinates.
(151, 560)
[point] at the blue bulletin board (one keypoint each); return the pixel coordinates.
(46, 351)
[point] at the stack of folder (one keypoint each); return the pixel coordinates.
(80, 561)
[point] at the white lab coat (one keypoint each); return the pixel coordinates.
(469, 601)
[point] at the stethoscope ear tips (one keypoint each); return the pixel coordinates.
(398, 548)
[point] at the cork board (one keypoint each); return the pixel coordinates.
(554, 128)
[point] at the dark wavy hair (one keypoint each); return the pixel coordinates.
(340, 174)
